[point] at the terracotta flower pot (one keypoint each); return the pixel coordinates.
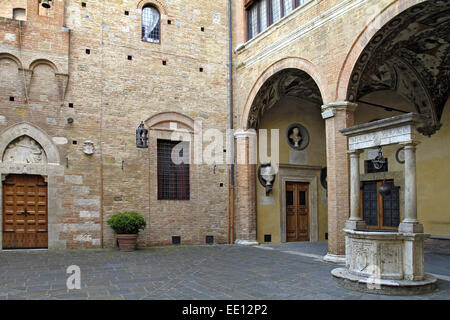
(127, 242)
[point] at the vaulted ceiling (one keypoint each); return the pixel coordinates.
(288, 82)
(411, 56)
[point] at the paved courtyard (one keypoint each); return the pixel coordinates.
(287, 271)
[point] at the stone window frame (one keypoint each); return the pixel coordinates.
(158, 130)
(162, 10)
(154, 36)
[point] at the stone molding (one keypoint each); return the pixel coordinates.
(243, 134)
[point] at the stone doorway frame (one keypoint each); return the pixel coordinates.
(52, 172)
(305, 174)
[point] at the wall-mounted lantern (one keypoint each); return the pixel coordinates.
(142, 136)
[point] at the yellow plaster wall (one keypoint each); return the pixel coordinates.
(286, 112)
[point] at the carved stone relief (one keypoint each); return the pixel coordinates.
(24, 150)
(88, 147)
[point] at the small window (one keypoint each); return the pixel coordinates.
(173, 177)
(151, 24)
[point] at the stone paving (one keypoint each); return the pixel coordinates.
(187, 272)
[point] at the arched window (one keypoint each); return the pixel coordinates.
(151, 24)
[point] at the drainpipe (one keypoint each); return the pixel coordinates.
(231, 152)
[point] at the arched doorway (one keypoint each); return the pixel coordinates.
(285, 111)
(31, 184)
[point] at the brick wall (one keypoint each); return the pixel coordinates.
(111, 95)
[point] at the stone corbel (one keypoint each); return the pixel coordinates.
(28, 74)
(63, 81)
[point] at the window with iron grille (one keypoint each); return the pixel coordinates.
(173, 174)
(261, 14)
(151, 24)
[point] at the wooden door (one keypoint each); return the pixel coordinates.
(297, 211)
(25, 214)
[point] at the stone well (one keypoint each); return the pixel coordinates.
(385, 262)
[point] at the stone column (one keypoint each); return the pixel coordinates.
(338, 116)
(245, 219)
(410, 223)
(355, 222)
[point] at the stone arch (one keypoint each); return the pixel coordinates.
(163, 121)
(286, 63)
(38, 62)
(5, 55)
(363, 39)
(27, 129)
(157, 3)
(395, 53)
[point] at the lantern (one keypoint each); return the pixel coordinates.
(142, 136)
(385, 189)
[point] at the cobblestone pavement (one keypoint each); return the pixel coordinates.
(178, 272)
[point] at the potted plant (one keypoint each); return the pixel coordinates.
(127, 226)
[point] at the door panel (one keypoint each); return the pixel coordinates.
(297, 211)
(25, 214)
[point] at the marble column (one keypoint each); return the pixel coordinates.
(338, 116)
(245, 219)
(355, 222)
(410, 223)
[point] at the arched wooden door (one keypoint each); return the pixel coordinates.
(25, 212)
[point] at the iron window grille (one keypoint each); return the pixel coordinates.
(151, 24)
(173, 179)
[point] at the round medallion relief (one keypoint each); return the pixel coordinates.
(297, 136)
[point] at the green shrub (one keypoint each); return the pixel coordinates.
(127, 223)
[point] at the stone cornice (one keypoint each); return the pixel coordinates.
(393, 122)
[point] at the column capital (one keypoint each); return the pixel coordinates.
(329, 110)
(355, 152)
(412, 144)
(243, 134)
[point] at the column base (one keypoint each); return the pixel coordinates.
(355, 225)
(246, 242)
(373, 285)
(410, 227)
(338, 259)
